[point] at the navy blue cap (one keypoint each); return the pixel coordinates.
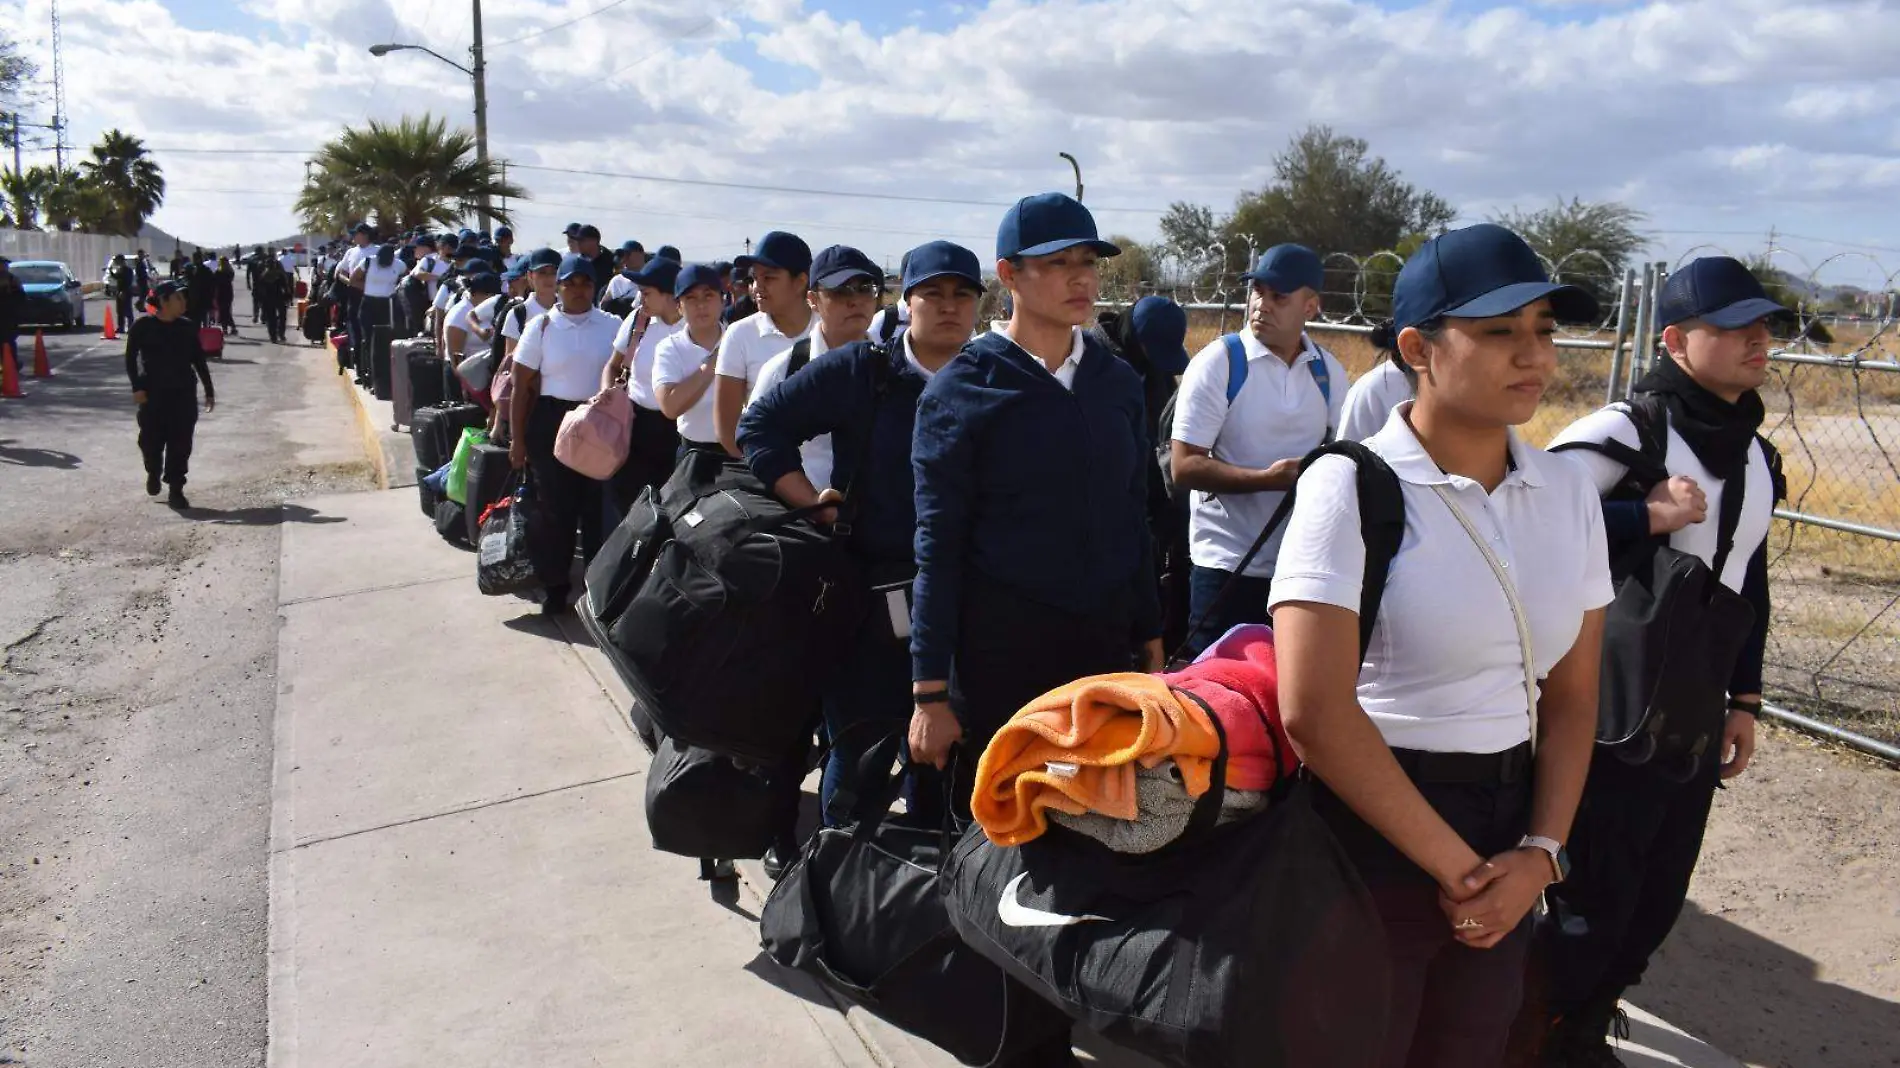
(571, 229)
(1287, 268)
(165, 289)
(695, 274)
(630, 245)
(504, 231)
(448, 239)
(466, 250)
(483, 281)
(466, 233)
(362, 228)
(588, 230)
(1478, 272)
(517, 268)
(1047, 223)
(1719, 291)
(668, 252)
(574, 263)
(659, 273)
(1161, 325)
(838, 264)
(543, 257)
(787, 252)
(941, 259)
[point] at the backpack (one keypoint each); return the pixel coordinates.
(1672, 635)
(1236, 378)
(1381, 525)
(724, 611)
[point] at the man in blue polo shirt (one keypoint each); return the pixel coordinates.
(1251, 406)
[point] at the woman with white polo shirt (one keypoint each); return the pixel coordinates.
(556, 367)
(543, 266)
(1448, 775)
(684, 365)
(653, 440)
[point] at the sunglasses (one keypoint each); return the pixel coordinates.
(856, 289)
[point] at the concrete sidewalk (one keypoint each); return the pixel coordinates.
(460, 871)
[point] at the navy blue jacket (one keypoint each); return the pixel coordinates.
(1032, 486)
(836, 394)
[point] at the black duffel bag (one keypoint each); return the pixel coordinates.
(741, 620)
(862, 910)
(705, 804)
(1251, 944)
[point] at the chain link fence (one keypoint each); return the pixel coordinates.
(1833, 401)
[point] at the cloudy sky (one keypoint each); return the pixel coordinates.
(1720, 118)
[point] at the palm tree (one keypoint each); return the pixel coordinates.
(413, 174)
(24, 191)
(72, 201)
(124, 171)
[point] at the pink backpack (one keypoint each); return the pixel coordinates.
(593, 437)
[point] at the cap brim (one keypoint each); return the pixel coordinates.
(1050, 248)
(746, 263)
(1276, 281)
(1743, 312)
(1571, 304)
(958, 275)
(840, 277)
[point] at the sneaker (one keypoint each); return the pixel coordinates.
(177, 499)
(151, 485)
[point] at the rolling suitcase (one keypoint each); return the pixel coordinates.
(428, 495)
(425, 374)
(316, 321)
(489, 480)
(435, 430)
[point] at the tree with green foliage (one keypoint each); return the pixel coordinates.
(1125, 277)
(24, 191)
(1586, 243)
(409, 175)
(123, 171)
(71, 202)
(16, 72)
(1332, 195)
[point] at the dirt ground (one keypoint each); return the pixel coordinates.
(1788, 955)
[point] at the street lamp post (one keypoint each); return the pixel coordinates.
(1078, 173)
(478, 73)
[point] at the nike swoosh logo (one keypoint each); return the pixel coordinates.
(1014, 913)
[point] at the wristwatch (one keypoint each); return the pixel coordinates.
(1559, 856)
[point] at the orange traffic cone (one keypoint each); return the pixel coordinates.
(9, 374)
(110, 333)
(40, 367)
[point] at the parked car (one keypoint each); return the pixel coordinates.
(54, 295)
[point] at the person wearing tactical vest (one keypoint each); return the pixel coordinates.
(863, 396)
(685, 364)
(166, 364)
(557, 368)
(780, 267)
(1152, 336)
(653, 439)
(1446, 774)
(845, 288)
(1251, 406)
(1031, 457)
(1639, 831)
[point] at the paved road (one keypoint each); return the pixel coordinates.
(137, 689)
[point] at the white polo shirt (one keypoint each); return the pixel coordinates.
(380, 281)
(751, 343)
(676, 359)
(570, 351)
(816, 453)
(1065, 372)
(462, 315)
(1443, 672)
(512, 329)
(620, 287)
(1697, 539)
(1370, 401)
(640, 377)
(288, 261)
(353, 258)
(1278, 414)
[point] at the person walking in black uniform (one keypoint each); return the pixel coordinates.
(226, 294)
(12, 308)
(273, 294)
(123, 284)
(864, 395)
(166, 364)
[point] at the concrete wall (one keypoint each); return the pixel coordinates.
(86, 254)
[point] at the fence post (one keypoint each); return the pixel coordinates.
(1639, 332)
(1624, 312)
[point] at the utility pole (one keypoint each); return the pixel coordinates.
(59, 96)
(16, 143)
(480, 70)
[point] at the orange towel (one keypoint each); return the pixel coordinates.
(1106, 725)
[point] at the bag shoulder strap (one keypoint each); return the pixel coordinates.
(1323, 378)
(888, 329)
(1236, 365)
(1510, 595)
(880, 385)
(1647, 463)
(801, 355)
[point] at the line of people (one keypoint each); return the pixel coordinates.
(1014, 519)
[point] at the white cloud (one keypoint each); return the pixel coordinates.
(1723, 114)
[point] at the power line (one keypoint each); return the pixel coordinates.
(558, 25)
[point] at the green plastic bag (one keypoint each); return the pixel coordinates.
(458, 467)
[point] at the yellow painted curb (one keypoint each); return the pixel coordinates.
(372, 441)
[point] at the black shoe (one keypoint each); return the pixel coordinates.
(151, 485)
(717, 871)
(1581, 1039)
(177, 499)
(775, 864)
(554, 601)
